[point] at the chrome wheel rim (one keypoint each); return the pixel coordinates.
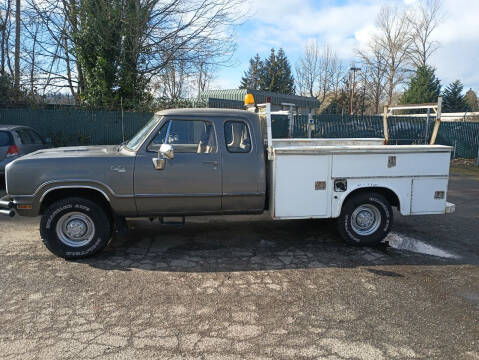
(75, 229)
(365, 219)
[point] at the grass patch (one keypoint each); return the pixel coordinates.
(465, 167)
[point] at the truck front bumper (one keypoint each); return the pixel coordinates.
(450, 208)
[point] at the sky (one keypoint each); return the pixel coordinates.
(346, 25)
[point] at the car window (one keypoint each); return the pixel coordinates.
(237, 137)
(4, 138)
(187, 136)
(25, 137)
(37, 140)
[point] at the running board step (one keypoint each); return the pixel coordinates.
(172, 220)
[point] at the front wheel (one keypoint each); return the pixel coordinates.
(366, 218)
(75, 228)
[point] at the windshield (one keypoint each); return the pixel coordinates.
(137, 140)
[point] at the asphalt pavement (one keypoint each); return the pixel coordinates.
(248, 288)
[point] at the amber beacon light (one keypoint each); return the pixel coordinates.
(249, 100)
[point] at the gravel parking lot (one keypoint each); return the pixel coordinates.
(249, 289)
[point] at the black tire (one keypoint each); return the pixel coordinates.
(93, 218)
(351, 231)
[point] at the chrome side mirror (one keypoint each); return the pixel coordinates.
(166, 151)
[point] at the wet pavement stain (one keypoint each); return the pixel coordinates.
(404, 242)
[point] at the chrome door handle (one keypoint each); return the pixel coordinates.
(214, 163)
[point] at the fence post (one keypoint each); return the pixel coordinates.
(310, 125)
(427, 125)
(437, 122)
(291, 119)
(385, 125)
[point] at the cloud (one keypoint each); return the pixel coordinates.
(349, 24)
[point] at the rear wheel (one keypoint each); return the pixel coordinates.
(366, 218)
(75, 228)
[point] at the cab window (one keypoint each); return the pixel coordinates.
(237, 137)
(187, 136)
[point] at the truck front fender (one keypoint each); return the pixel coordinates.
(31, 205)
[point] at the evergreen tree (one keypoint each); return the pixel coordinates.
(424, 87)
(471, 100)
(453, 100)
(285, 78)
(252, 77)
(268, 77)
(276, 74)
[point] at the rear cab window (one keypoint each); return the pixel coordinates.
(237, 136)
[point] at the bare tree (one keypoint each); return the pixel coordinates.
(319, 71)
(374, 74)
(307, 70)
(423, 19)
(148, 40)
(173, 82)
(5, 13)
(393, 40)
(204, 75)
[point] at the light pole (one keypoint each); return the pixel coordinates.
(353, 69)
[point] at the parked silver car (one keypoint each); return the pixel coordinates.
(16, 141)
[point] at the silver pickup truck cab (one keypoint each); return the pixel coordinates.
(216, 161)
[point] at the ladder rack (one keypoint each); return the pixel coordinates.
(436, 107)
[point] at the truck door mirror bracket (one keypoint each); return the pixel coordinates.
(159, 163)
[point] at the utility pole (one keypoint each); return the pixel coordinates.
(17, 48)
(353, 69)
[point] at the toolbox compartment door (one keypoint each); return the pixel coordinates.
(429, 195)
(302, 186)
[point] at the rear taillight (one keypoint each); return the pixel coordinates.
(12, 150)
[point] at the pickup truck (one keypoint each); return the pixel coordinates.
(190, 162)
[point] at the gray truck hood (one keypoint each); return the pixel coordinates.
(75, 151)
(83, 164)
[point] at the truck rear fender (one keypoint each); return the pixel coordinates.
(387, 192)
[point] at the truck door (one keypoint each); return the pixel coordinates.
(243, 167)
(189, 183)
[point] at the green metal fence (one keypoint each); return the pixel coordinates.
(79, 127)
(463, 136)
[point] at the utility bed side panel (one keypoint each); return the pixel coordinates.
(302, 186)
(428, 196)
(390, 164)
